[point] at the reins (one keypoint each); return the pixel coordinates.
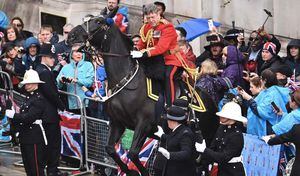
(92, 50)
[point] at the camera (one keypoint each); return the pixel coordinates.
(21, 50)
(211, 38)
(66, 80)
(63, 56)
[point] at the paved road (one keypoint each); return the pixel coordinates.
(7, 167)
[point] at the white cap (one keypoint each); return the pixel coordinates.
(31, 76)
(232, 110)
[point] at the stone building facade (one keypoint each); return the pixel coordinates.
(247, 14)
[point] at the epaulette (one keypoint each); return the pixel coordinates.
(186, 131)
(164, 21)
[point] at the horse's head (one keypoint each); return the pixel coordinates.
(93, 28)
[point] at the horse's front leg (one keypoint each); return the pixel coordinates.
(114, 136)
(139, 137)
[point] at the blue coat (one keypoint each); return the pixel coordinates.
(85, 77)
(287, 122)
(257, 125)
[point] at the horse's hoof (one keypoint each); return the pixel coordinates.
(133, 173)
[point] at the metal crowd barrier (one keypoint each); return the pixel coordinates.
(18, 99)
(82, 112)
(96, 136)
(7, 90)
(4, 76)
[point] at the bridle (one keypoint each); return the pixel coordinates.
(86, 44)
(92, 50)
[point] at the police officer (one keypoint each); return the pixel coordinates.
(29, 121)
(53, 103)
(179, 151)
(225, 150)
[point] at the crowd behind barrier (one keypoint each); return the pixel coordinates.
(233, 68)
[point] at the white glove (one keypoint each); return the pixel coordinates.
(266, 139)
(164, 152)
(10, 113)
(200, 147)
(159, 132)
(136, 54)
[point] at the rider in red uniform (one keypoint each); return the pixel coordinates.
(158, 37)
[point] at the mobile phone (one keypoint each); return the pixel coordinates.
(210, 38)
(210, 24)
(275, 106)
(239, 88)
(65, 80)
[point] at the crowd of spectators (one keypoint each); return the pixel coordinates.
(251, 67)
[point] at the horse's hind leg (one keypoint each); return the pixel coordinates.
(115, 134)
(137, 143)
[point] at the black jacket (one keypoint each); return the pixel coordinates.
(228, 143)
(49, 90)
(291, 136)
(30, 111)
(259, 59)
(181, 145)
(208, 55)
(274, 63)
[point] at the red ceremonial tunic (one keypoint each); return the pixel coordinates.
(161, 40)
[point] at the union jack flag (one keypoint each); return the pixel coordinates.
(71, 144)
(144, 154)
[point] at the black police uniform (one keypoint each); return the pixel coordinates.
(181, 145)
(31, 137)
(51, 122)
(228, 144)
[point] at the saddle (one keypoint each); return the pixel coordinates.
(153, 90)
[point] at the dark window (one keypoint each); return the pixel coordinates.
(57, 22)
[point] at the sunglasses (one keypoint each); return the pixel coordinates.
(252, 39)
(18, 25)
(66, 32)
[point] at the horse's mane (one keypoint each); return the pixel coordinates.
(125, 38)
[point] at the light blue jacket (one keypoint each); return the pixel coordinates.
(257, 125)
(287, 122)
(83, 72)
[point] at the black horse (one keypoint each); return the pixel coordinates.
(130, 108)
